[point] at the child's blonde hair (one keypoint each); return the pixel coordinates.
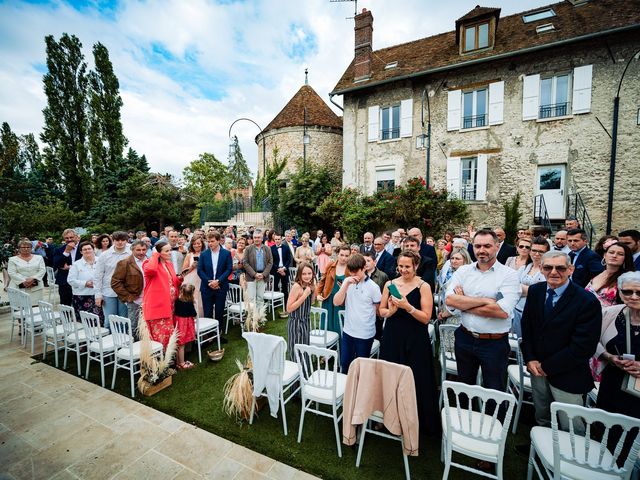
(187, 292)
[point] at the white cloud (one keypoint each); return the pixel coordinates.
(252, 52)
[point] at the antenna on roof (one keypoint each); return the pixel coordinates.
(355, 11)
(306, 76)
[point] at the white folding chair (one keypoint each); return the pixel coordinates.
(99, 348)
(571, 455)
(275, 299)
(518, 383)
(53, 333)
(448, 364)
(592, 396)
(234, 306)
(287, 373)
(375, 346)
(431, 328)
(320, 384)
(292, 276)
(476, 434)
(319, 336)
(16, 311)
(53, 287)
(206, 330)
(378, 417)
(31, 320)
(127, 352)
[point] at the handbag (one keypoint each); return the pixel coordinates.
(630, 384)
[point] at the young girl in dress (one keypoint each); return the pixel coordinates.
(299, 307)
(184, 319)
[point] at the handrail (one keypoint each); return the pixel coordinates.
(577, 209)
(540, 212)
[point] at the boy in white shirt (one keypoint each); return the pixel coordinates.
(361, 297)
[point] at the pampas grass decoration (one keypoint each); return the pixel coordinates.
(256, 317)
(153, 367)
(238, 393)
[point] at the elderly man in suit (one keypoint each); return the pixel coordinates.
(214, 267)
(281, 254)
(257, 266)
(367, 246)
(63, 258)
(384, 260)
(586, 263)
(127, 281)
(561, 325)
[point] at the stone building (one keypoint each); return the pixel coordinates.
(306, 113)
(516, 103)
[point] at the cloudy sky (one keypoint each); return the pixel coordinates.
(189, 68)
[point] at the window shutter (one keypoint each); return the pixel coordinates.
(496, 103)
(530, 97)
(453, 176)
(406, 117)
(453, 110)
(582, 89)
(481, 177)
(374, 122)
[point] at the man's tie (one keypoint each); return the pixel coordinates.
(572, 256)
(548, 304)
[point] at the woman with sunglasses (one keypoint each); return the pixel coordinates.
(523, 258)
(529, 274)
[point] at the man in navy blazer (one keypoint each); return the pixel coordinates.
(63, 258)
(631, 238)
(561, 325)
(281, 254)
(586, 263)
(384, 260)
(214, 267)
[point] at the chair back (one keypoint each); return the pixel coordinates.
(51, 278)
(522, 372)
(46, 313)
(23, 301)
(235, 294)
(269, 285)
(595, 455)
(316, 271)
(341, 315)
(318, 322)
(121, 331)
(318, 367)
(68, 320)
(480, 425)
(15, 303)
(91, 325)
(292, 274)
(447, 343)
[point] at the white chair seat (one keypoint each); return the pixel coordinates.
(316, 338)
(542, 437)
(323, 395)
(234, 307)
(273, 295)
(107, 344)
(206, 324)
(473, 446)
(375, 347)
(451, 366)
(513, 343)
(125, 353)
(58, 330)
(82, 336)
(291, 372)
(514, 376)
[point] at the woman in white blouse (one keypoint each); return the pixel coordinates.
(26, 271)
(81, 276)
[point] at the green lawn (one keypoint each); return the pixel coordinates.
(196, 397)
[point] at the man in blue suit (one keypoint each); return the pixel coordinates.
(281, 254)
(561, 325)
(384, 260)
(214, 268)
(631, 238)
(63, 258)
(586, 263)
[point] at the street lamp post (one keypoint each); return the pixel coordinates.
(614, 141)
(426, 137)
(264, 146)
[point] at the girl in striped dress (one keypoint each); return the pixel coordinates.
(299, 307)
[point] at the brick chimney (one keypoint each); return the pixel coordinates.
(363, 45)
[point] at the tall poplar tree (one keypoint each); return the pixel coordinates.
(65, 120)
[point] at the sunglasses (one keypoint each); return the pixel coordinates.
(628, 293)
(559, 269)
(526, 247)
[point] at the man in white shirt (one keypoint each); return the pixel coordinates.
(484, 294)
(105, 266)
(361, 297)
(560, 242)
(177, 251)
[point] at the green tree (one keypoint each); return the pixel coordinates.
(267, 185)
(512, 216)
(239, 173)
(205, 177)
(65, 120)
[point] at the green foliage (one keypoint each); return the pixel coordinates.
(239, 173)
(512, 216)
(410, 205)
(36, 219)
(267, 185)
(305, 191)
(205, 177)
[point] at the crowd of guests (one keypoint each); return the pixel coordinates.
(576, 310)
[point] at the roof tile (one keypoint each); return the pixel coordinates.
(318, 112)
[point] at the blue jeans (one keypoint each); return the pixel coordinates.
(113, 306)
(352, 348)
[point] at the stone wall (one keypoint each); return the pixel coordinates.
(325, 146)
(516, 147)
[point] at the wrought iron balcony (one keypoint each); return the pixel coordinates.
(475, 121)
(390, 133)
(555, 110)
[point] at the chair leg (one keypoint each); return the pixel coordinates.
(302, 412)
(102, 368)
(253, 409)
(44, 346)
(113, 377)
(218, 336)
(336, 428)
(361, 446)
(66, 351)
(78, 358)
(55, 352)
(199, 348)
(532, 455)
(131, 377)
(516, 417)
(405, 460)
(86, 375)
(284, 413)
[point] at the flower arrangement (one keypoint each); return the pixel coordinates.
(256, 317)
(154, 368)
(238, 392)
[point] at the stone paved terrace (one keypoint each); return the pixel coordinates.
(56, 425)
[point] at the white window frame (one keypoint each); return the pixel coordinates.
(555, 110)
(476, 36)
(394, 130)
(473, 120)
(455, 173)
(493, 115)
(538, 15)
(385, 174)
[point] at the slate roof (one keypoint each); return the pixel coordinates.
(440, 52)
(318, 112)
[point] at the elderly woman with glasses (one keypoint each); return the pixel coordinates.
(26, 271)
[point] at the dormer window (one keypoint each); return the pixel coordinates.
(476, 37)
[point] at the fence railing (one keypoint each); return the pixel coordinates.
(576, 208)
(540, 212)
(240, 207)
